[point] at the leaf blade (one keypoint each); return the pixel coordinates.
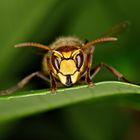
(26, 103)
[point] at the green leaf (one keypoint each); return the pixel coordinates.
(30, 102)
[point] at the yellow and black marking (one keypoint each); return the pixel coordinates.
(66, 67)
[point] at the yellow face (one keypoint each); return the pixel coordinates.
(67, 66)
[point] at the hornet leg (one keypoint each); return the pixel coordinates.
(23, 82)
(110, 68)
(89, 62)
(52, 79)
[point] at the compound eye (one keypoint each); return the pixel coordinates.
(79, 60)
(56, 62)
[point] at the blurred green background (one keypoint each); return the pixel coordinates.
(45, 20)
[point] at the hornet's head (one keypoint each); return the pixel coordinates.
(68, 65)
